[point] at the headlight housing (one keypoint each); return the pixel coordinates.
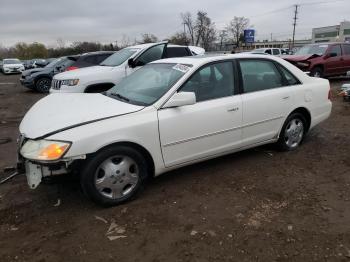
(45, 150)
(70, 82)
(303, 64)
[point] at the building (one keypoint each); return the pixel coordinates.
(335, 33)
(280, 44)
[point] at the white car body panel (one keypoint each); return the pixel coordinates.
(180, 136)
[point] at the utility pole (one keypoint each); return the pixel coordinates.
(295, 23)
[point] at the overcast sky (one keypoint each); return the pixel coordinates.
(109, 20)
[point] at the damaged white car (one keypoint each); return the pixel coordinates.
(168, 114)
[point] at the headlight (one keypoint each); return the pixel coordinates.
(303, 64)
(70, 82)
(44, 149)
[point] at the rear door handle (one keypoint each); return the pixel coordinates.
(233, 109)
(285, 97)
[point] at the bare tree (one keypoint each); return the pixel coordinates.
(148, 38)
(222, 37)
(187, 20)
(205, 32)
(236, 27)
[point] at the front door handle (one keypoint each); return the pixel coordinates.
(285, 97)
(233, 109)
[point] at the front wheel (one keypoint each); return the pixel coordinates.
(292, 133)
(43, 84)
(114, 175)
(317, 72)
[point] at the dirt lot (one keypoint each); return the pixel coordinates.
(257, 205)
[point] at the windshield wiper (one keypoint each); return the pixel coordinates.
(121, 97)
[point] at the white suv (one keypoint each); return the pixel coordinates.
(12, 65)
(104, 76)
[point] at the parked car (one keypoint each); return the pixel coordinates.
(90, 59)
(269, 51)
(168, 114)
(115, 68)
(345, 92)
(11, 65)
(39, 79)
(322, 59)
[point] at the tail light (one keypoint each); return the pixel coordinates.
(70, 68)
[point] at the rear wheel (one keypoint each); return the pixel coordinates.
(292, 133)
(114, 175)
(43, 84)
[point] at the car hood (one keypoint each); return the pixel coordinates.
(297, 58)
(34, 70)
(82, 72)
(58, 112)
(13, 65)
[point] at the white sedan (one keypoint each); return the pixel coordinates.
(168, 114)
(12, 65)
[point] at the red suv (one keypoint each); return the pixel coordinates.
(322, 59)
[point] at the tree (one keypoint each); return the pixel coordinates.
(148, 38)
(236, 27)
(189, 24)
(179, 39)
(205, 30)
(222, 37)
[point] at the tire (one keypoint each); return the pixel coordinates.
(43, 84)
(317, 72)
(292, 133)
(127, 173)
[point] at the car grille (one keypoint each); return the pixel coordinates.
(56, 84)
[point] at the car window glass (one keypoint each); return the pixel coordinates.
(268, 51)
(335, 49)
(346, 49)
(275, 51)
(91, 59)
(211, 82)
(259, 75)
(100, 58)
(291, 79)
(176, 52)
(152, 54)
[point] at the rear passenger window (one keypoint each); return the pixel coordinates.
(91, 59)
(177, 52)
(259, 75)
(211, 82)
(291, 79)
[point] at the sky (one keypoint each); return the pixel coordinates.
(108, 21)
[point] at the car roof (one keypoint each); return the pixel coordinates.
(203, 59)
(98, 53)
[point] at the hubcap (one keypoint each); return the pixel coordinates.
(294, 133)
(116, 177)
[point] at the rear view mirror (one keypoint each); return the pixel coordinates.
(181, 99)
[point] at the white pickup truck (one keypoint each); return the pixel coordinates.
(104, 76)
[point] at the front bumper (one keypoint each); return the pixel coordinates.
(27, 82)
(12, 70)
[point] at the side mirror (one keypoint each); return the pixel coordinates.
(131, 63)
(181, 99)
(331, 55)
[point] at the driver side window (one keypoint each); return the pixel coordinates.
(211, 82)
(152, 54)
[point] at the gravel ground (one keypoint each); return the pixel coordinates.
(256, 205)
